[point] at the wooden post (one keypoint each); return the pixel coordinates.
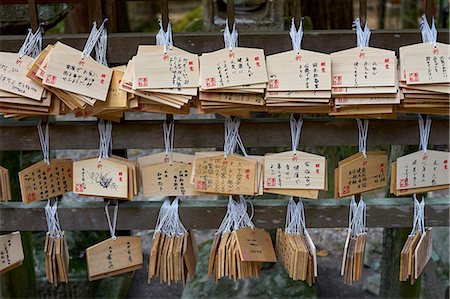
(34, 15)
(230, 13)
(393, 241)
(363, 12)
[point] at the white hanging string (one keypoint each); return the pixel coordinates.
(231, 133)
(169, 222)
(236, 215)
(44, 140)
(162, 215)
(51, 216)
(419, 216)
(164, 38)
(230, 38)
(112, 225)
(169, 133)
(363, 128)
(105, 132)
(429, 34)
(93, 37)
(362, 36)
(101, 47)
(296, 129)
(424, 131)
(295, 217)
(296, 36)
(32, 45)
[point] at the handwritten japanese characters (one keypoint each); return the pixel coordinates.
(167, 179)
(254, 245)
(104, 178)
(41, 181)
(420, 170)
(225, 68)
(230, 175)
(357, 174)
(11, 252)
(13, 79)
(113, 257)
(294, 171)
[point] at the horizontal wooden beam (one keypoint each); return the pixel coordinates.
(122, 46)
(208, 133)
(201, 214)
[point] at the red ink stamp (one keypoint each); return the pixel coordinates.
(79, 188)
(50, 79)
(143, 81)
(346, 189)
(271, 182)
(210, 82)
(31, 197)
(201, 185)
(403, 183)
(337, 80)
(414, 77)
(274, 83)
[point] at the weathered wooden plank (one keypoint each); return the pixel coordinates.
(122, 46)
(208, 133)
(200, 214)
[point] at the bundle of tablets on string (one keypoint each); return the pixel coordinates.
(55, 247)
(232, 80)
(19, 95)
(239, 248)
(295, 172)
(355, 245)
(226, 172)
(422, 171)
(299, 80)
(173, 255)
(294, 246)
(5, 186)
(163, 78)
(106, 175)
(364, 79)
(418, 247)
(424, 78)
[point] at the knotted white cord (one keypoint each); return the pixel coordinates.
(296, 129)
(230, 38)
(32, 45)
(363, 129)
(105, 132)
(424, 131)
(44, 141)
(429, 34)
(169, 133)
(101, 47)
(164, 38)
(112, 226)
(231, 133)
(296, 36)
(51, 216)
(169, 222)
(93, 37)
(362, 36)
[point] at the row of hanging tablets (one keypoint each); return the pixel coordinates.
(361, 81)
(238, 249)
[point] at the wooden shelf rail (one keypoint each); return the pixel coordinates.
(207, 214)
(208, 133)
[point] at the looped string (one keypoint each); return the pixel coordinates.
(112, 225)
(169, 222)
(231, 135)
(101, 47)
(168, 139)
(93, 37)
(362, 36)
(105, 132)
(236, 216)
(295, 218)
(296, 129)
(419, 217)
(357, 218)
(296, 36)
(230, 38)
(424, 131)
(164, 38)
(44, 140)
(363, 128)
(32, 45)
(429, 34)
(51, 216)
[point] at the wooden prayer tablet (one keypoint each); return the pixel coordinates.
(11, 252)
(225, 68)
(421, 170)
(81, 76)
(231, 175)
(5, 186)
(295, 171)
(167, 179)
(367, 67)
(104, 178)
(255, 245)
(114, 257)
(357, 174)
(41, 181)
(13, 76)
(133, 184)
(304, 71)
(422, 253)
(56, 258)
